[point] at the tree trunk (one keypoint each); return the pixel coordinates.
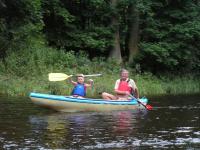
(133, 28)
(115, 52)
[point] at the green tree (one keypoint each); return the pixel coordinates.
(169, 35)
(20, 22)
(77, 25)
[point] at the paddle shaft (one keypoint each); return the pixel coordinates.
(63, 76)
(148, 107)
(92, 75)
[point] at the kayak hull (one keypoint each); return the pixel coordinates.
(72, 104)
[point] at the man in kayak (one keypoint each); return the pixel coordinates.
(123, 88)
(80, 86)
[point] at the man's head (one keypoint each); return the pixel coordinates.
(124, 74)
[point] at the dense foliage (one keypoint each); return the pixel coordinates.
(157, 36)
(170, 36)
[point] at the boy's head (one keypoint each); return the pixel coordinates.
(80, 78)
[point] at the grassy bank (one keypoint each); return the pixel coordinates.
(27, 71)
(147, 84)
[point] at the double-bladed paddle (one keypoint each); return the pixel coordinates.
(63, 76)
(148, 107)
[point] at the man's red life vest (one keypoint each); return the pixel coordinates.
(123, 86)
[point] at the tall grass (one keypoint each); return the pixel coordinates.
(27, 71)
(147, 85)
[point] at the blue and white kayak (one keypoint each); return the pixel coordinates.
(73, 104)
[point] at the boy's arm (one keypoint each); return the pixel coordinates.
(90, 83)
(73, 82)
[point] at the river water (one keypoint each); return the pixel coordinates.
(174, 123)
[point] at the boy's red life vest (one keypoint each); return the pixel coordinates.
(123, 86)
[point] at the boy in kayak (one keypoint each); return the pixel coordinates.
(80, 86)
(123, 88)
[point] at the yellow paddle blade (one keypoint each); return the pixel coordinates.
(58, 76)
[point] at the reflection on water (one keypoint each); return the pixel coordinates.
(72, 130)
(173, 124)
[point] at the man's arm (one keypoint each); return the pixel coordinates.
(135, 89)
(136, 93)
(121, 92)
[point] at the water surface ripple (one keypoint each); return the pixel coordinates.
(173, 124)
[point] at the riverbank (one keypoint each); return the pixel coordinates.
(147, 84)
(27, 71)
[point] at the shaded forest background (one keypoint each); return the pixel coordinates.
(153, 35)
